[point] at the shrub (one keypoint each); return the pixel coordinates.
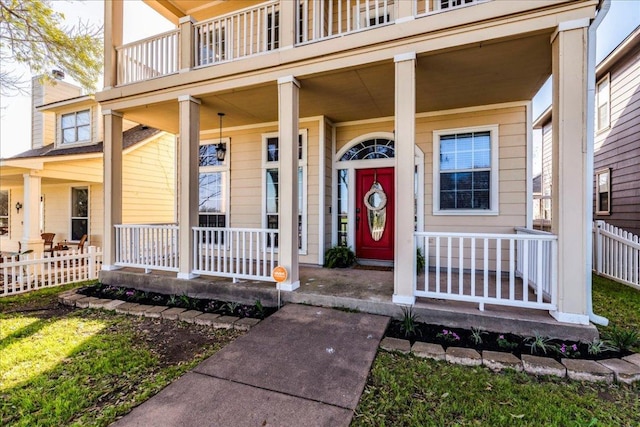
(339, 257)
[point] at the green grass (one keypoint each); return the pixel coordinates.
(83, 367)
(404, 390)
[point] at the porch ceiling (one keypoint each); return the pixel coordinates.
(477, 74)
(173, 10)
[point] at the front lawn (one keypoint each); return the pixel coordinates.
(404, 390)
(60, 366)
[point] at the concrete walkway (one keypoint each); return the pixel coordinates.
(303, 366)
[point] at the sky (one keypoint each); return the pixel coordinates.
(15, 111)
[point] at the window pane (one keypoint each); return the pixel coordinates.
(78, 228)
(272, 149)
(84, 133)
(4, 203)
(207, 155)
(82, 118)
(272, 191)
(343, 191)
(4, 226)
(447, 200)
(481, 199)
(211, 192)
(463, 180)
(69, 135)
(79, 202)
(604, 201)
(481, 180)
(68, 121)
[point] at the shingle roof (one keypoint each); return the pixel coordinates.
(129, 138)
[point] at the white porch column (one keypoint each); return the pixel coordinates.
(113, 17)
(188, 181)
(405, 130)
(31, 239)
(569, 165)
(288, 116)
(112, 185)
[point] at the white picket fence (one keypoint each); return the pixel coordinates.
(616, 254)
(24, 273)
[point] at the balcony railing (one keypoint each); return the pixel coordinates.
(240, 34)
(517, 270)
(149, 58)
(152, 247)
(257, 30)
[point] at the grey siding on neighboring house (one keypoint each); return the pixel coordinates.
(618, 147)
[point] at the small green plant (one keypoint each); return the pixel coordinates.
(504, 343)
(260, 310)
(622, 339)
(173, 301)
(232, 306)
(184, 301)
(419, 261)
(448, 335)
(339, 257)
(597, 346)
(539, 344)
(409, 322)
(476, 335)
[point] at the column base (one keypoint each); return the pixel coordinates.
(107, 267)
(578, 319)
(187, 276)
(403, 299)
(36, 246)
(289, 287)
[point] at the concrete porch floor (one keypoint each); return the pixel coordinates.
(362, 289)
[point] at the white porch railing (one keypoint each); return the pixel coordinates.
(152, 247)
(616, 254)
(239, 253)
(482, 268)
(149, 58)
(321, 19)
(239, 34)
(24, 273)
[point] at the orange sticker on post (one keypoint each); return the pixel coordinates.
(279, 274)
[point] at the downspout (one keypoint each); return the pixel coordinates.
(588, 209)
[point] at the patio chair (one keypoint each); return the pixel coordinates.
(81, 243)
(48, 241)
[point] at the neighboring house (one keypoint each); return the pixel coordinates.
(382, 125)
(617, 138)
(56, 186)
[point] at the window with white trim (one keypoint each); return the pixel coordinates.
(4, 212)
(272, 185)
(603, 192)
(603, 105)
(213, 185)
(79, 212)
(465, 174)
(76, 127)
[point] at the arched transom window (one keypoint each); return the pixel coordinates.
(377, 148)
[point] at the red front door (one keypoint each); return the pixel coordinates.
(374, 213)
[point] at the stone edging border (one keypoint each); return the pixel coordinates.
(625, 370)
(73, 299)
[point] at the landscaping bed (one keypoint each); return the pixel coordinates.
(616, 342)
(223, 308)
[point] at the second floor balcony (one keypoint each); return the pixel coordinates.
(263, 28)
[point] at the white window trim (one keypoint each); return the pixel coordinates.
(598, 173)
(221, 168)
(61, 142)
(302, 163)
(71, 217)
(606, 126)
(495, 170)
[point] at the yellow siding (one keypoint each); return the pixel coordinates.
(149, 183)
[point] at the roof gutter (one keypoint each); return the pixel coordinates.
(588, 208)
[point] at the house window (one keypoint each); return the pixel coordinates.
(466, 171)
(273, 30)
(272, 185)
(79, 212)
(343, 207)
(377, 13)
(603, 192)
(213, 186)
(603, 106)
(212, 42)
(4, 213)
(76, 127)
(450, 4)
